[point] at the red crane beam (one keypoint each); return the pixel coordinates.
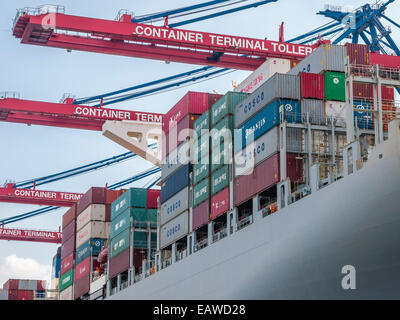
(30, 235)
(151, 42)
(67, 115)
(38, 197)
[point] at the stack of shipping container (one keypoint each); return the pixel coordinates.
(18, 289)
(55, 272)
(178, 153)
(133, 218)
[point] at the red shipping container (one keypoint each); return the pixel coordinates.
(11, 284)
(312, 85)
(41, 285)
(112, 195)
(138, 256)
(81, 287)
(69, 216)
(12, 294)
(201, 215)
(384, 60)
(119, 264)
(366, 91)
(178, 134)
(94, 195)
(265, 175)
(25, 295)
(358, 53)
(191, 103)
(220, 203)
(152, 196)
(68, 231)
(82, 269)
(67, 248)
(67, 263)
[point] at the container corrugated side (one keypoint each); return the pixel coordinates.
(220, 179)
(175, 205)
(67, 294)
(82, 287)
(134, 197)
(67, 279)
(174, 230)
(201, 215)
(3, 295)
(358, 53)
(67, 263)
(201, 170)
(222, 132)
(69, 216)
(383, 60)
(335, 86)
(337, 110)
(312, 85)
(201, 192)
(201, 147)
(82, 269)
(68, 247)
(25, 295)
(221, 156)
(176, 159)
(27, 285)
(152, 198)
(93, 229)
(202, 124)
(315, 109)
(225, 106)
(120, 223)
(120, 243)
(220, 203)
(91, 247)
(68, 231)
(119, 264)
(94, 212)
(94, 195)
(280, 86)
(175, 182)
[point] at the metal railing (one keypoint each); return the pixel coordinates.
(138, 277)
(166, 263)
(220, 235)
(44, 9)
(181, 254)
(123, 12)
(200, 245)
(10, 94)
(370, 72)
(244, 222)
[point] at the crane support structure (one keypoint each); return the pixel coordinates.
(127, 38)
(40, 197)
(30, 235)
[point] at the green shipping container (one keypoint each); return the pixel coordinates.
(201, 192)
(140, 240)
(220, 156)
(66, 280)
(152, 217)
(140, 217)
(223, 130)
(202, 123)
(225, 105)
(335, 86)
(120, 243)
(120, 223)
(219, 180)
(201, 147)
(201, 170)
(134, 197)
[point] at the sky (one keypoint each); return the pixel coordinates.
(45, 74)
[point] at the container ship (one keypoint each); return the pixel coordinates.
(284, 188)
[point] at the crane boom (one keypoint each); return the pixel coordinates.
(30, 235)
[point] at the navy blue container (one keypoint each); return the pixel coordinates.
(175, 182)
(363, 120)
(265, 120)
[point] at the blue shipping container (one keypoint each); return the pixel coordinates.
(84, 250)
(175, 182)
(363, 120)
(265, 120)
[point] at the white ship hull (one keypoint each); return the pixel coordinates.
(299, 252)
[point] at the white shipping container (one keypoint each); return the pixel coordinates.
(95, 212)
(93, 229)
(67, 294)
(108, 230)
(337, 109)
(30, 285)
(262, 74)
(174, 230)
(175, 205)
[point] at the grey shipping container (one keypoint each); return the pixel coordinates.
(327, 57)
(27, 285)
(176, 159)
(174, 230)
(175, 182)
(175, 205)
(3, 294)
(279, 86)
(316, 110)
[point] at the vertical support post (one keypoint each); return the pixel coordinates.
(350, 132)
(332, 170)
(210, 232)
(282, 151)
(173, 252)
(380, 118)
(309, 149)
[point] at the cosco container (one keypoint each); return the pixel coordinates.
(327, 57)
(201, 215)
(312, 85)
(67, 263)
(191, 103)
(91, 247)
(68, 231)
(134, 197)
(175, 205)
(220, 179)
(175, 182)
(201, 192)
(266, 175)
(67, 294)
(68, 247)
(69, 216)
(225, 106)
(315, 109)
(94, 212)
(152, 198)
(335, 86)
(220, 203)
(67, 279)
(266, 119)
(120, 243)
(358, 53)
(363, 120)
(174, 230)
(94, 195)
(202, 124)
(280, 86)
(82, 287)
(27, 285)
(201, 170)
(179, 157)
(93, 229)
